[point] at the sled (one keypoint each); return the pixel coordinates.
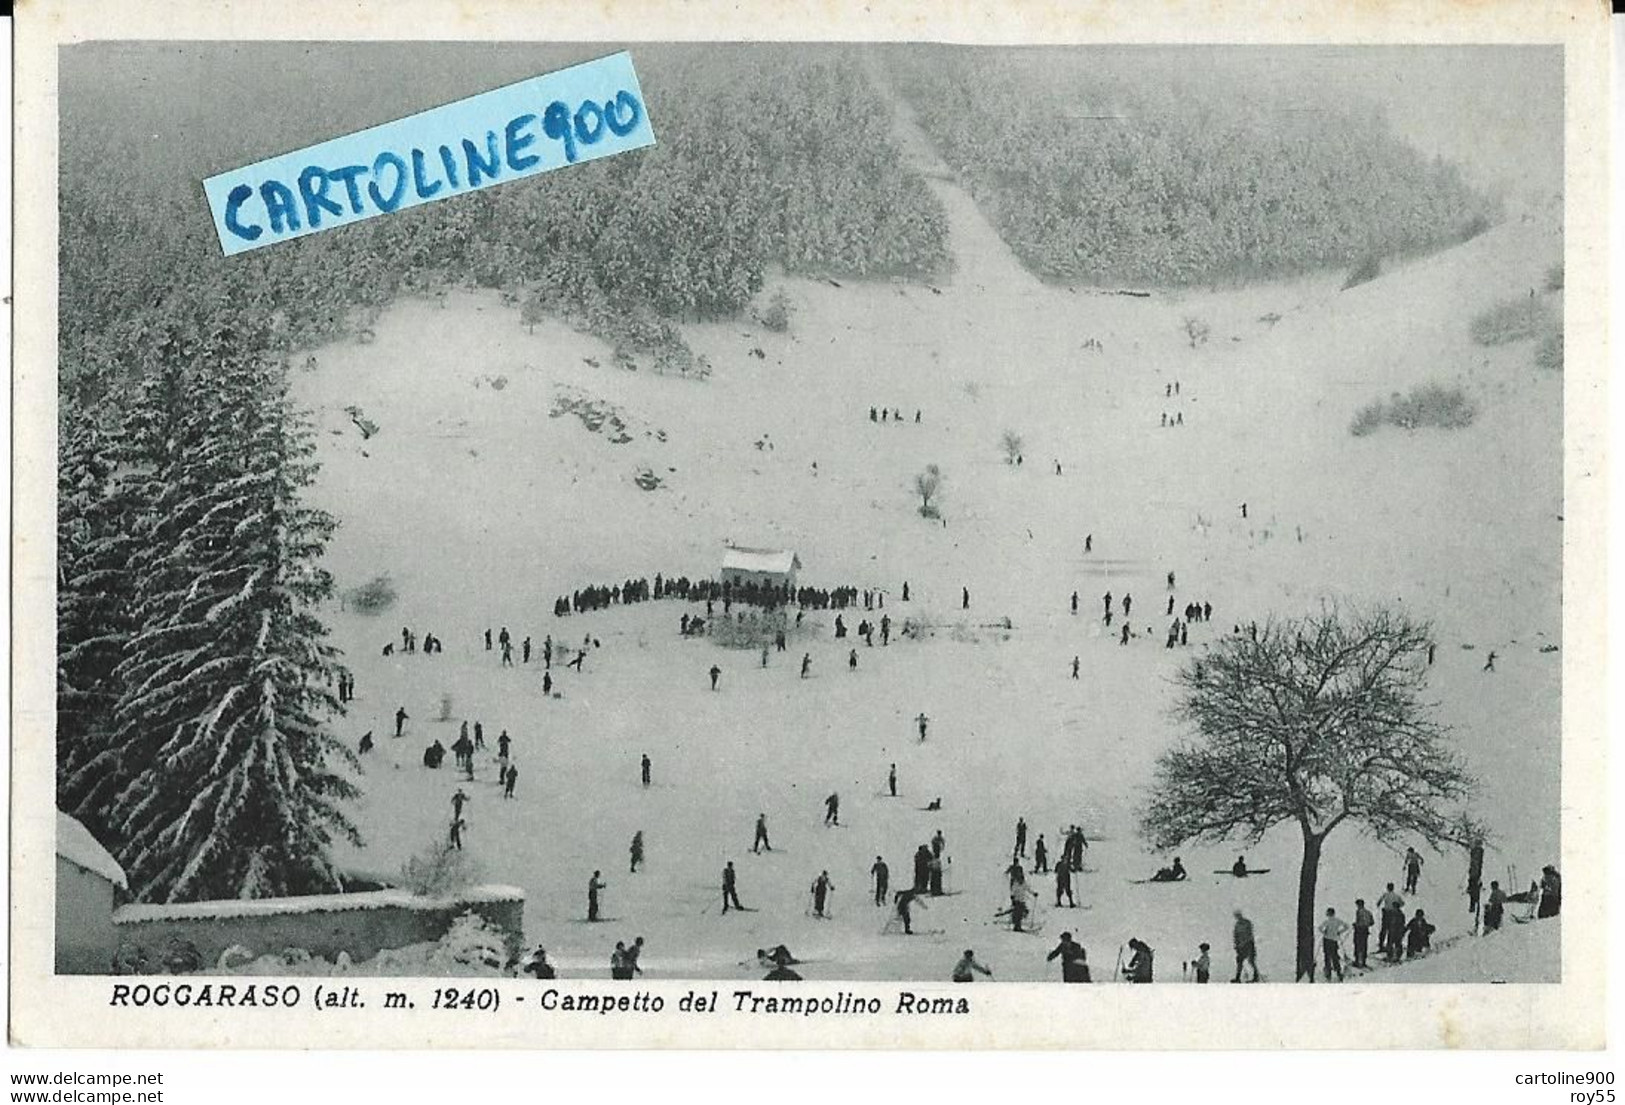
(1171, 882)
(1250, 871)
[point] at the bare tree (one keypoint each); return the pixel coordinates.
(1012, 445)
(1316, 722)
(926, 486)
(1196, 331)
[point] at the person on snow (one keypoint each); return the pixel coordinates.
(761, 840)
(852, 660)
(457, 827)
(1331, 945)
(504, 742)
(922, 868)
(832, 810)
(1139, 967)
(1021, 837)
(1063, 884)
(922, 722)
(967, 968)
(806, 664)
(1246, 947)
(1391, 907)
(487, 638)
(1364, 922)
(366, 743)
(1202, 965)
(1495, 908)
(524, 650)
(730, 890)
(637, 851)
(1418, 934)
(716, 673)
(1074, 667)
(882, 877)
(547, 683)
(1551, 892)
(891, 780)
(1074, 960)
(594, 885)
(458, 801)
(905, 903)
(509, 781)
(536, 965)
(1239, 868)
(1040, 857)
(1175, 873)
(964, 598)
(936, 876)
(821, 889)
(1413, 869)
(401, 717)
(1475, 875)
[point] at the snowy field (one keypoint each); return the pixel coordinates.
(483, 509)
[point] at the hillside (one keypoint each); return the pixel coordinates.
(483, 509)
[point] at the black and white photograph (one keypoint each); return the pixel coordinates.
(938, 512)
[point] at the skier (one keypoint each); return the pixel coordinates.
(1063, 884)
(891, 780)
(1176, 873)
(1128, 605)
(458, 801)
(525, 650)
(503, 743)
(479, 736)
(716, 672)
(1106, 602)
(1246, 949)
(905, 590)
(821, 889)
(1139, 967)
(401, 717)
(594, 885)
(580, 657)
(507, 654)
(1413, 869)
(965, 970)
(806, 663)
(882, 876)
(921, 721)
(457, 827)
(852, 660)
(1331, 945)
(761, 841)
(964, 598)
(547, 683)
(1431, 647)
(366, 742)
(487, 638)
(1074, 604)
(1489, 663)
(1124, 639)
(730, 892)
(1074, 960)
(510, 781)
(637, 851)
(1363, 923)
(1089, 543)
(1021, 837)
(922, 868)
(885, 629)
(832, 810)
(905, 903)
(645, 769)
(1074, 667)
(935, 875)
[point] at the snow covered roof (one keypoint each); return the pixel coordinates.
(737, 558)
(75, 844)
(312, 903)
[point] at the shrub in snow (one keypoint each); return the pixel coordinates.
(1430, 405)
(776, 315)
(1510, 320)
(373, 597)
(439, 871)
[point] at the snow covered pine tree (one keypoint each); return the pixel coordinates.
(229, 785)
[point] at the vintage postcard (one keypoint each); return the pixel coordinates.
(636, 527)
